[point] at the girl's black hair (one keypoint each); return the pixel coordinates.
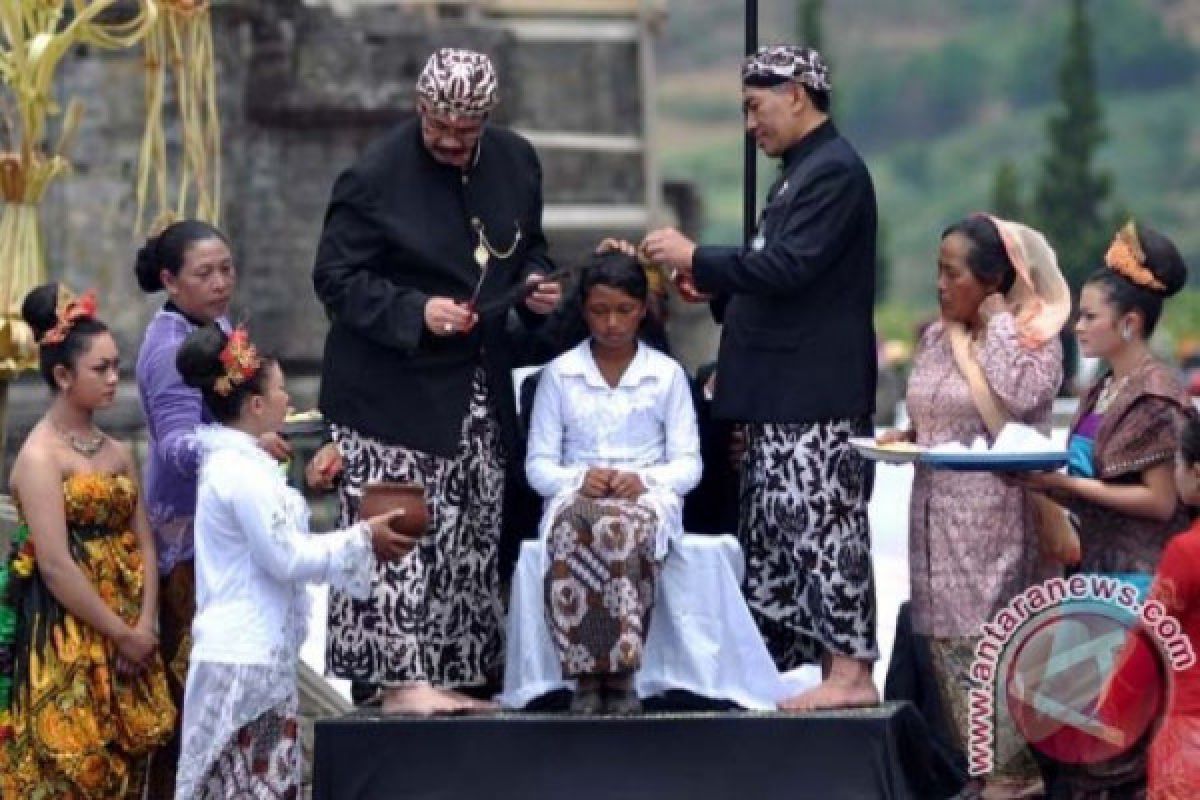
(168, 250)
(1163, 260)
(40, 312)
(199, 364)
(987, 258)
(615, 270)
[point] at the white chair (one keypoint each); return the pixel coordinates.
(701, 638)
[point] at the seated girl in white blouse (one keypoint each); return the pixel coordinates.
(254, 555)
(613, 448)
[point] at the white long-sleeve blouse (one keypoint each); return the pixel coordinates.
(645, 424)
(254, 555)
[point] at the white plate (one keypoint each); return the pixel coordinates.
(889, 454)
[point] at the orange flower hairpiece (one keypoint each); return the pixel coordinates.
(69, 310)
(240, 359)
(1126, 258)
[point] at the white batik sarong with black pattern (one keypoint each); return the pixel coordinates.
(804, 530)
(434, 616)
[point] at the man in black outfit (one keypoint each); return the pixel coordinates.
(797, 369)
(426, 240)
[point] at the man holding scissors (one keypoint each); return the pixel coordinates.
(425, 238)
(797, 368)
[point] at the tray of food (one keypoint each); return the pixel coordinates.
(972, 461)
(894, 453)
(302, 423)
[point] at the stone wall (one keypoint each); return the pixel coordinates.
(302, 91)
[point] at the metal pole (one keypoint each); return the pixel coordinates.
(749, 157)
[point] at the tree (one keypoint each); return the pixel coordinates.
(1006, 192)
(1071, 194)
(808, 29)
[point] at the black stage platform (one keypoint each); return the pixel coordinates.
(869, 753)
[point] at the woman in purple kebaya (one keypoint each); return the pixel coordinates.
(191, 261)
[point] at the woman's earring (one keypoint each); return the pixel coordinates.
(1126, 332)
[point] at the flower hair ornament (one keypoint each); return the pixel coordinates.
(240, 359)
(1126, 257)
(69, 309)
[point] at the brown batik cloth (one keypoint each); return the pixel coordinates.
(261, 762)
(1016, 773)
(600, 584)
(176, 609)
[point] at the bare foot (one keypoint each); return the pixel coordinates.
(465, 704)
(834, 694)
(423, 700)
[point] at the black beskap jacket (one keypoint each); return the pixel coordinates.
(398, 230)
(798, 339)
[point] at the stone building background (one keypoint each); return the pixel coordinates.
(303, 88)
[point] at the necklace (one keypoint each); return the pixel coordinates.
(1111, 389)
(86, 446)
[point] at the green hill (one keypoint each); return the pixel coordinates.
(936, 100)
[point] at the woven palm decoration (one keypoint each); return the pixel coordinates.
(179, 52)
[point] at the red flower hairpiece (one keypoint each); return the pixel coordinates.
(240, 359)
(69, 310)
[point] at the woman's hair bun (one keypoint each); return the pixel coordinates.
(40, 309)
(146, 266)
(199, 357)
(1163, 259)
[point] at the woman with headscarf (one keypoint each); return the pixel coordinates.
(1119, 483)
(993, 356)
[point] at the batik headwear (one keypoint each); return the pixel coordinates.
(771, 66)
(1039, 297)
(458, 83)
(1126, 257)
(69, 309)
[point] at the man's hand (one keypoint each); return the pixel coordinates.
(324, 468)
(447, 317)
(669, 248)
(545, 297)
(611, 244)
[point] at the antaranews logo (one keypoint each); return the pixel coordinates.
(1045, 662)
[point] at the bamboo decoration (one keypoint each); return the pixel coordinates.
(34, 37)
(180, 42)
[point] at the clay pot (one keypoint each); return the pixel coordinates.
(380, 498)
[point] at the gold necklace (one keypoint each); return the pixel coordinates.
(1109, 392)
(85, 446)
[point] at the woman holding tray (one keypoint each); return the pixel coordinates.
(1119, 481)
(993, 356)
